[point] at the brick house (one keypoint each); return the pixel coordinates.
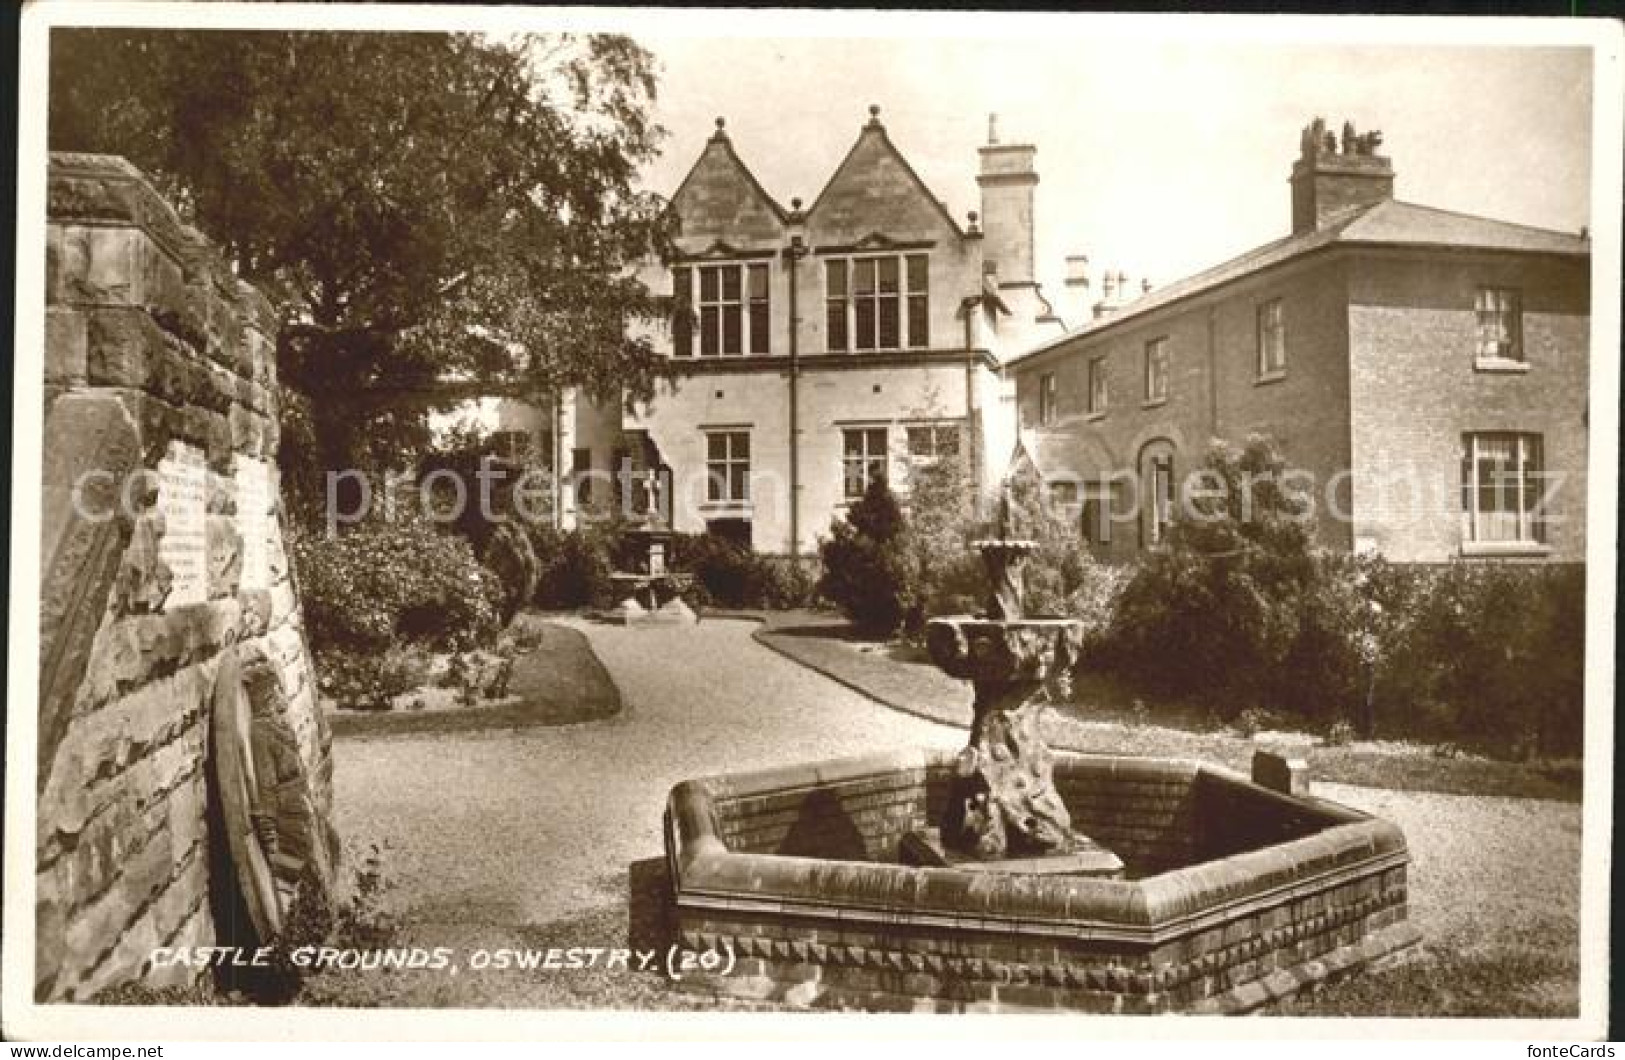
(859, 336)
(1424, 371)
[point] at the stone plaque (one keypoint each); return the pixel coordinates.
(255, 507)
(183, 495)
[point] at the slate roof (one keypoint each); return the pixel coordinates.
(1387, 223)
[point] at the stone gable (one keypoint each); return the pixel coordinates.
(875, 191)
(721, 202)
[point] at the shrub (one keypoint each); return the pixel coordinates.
(370, 680)
(788, 583)
(1489, 655)
(1341, 734)
(374, 585)
(508, 555)
(1255, 720)
(725, 575)
(942, 518)
(869, 571)
(1220, 610)
(573, 566)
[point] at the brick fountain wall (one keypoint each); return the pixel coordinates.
(160, 388)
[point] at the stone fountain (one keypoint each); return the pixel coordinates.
(1003, 812)
(1006, 877)
(653, 593)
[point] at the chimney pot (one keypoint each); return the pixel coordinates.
(1328, 183)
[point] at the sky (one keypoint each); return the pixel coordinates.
(1156, 156)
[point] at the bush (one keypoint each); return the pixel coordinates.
(508, 555)
(370, 680)
(376, 585)
(942, 519)
(1219, 611)
(1062, 578)
(726, 575)
(573, 566)
(1244, 611)
(1489, 655)
(869, 569)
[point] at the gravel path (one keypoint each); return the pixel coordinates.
(1486, 872)
(524, 838)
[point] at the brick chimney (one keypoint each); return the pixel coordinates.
(1007, 181)
(1332, 176)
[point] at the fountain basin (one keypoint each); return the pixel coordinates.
(1236, 894)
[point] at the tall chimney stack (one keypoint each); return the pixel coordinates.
(1076, 297)
(1332, 177)
(1007, 180)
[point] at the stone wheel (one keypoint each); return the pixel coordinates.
(231, 730)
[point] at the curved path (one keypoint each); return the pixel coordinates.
(524, 838)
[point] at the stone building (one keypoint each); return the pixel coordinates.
(824, 345)
(1425, 373)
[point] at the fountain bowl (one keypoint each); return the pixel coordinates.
(1235, 894)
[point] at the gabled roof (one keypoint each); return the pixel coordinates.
(874, 131)
(1386, 223)
(719, 149)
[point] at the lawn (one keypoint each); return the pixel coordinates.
(557, 680)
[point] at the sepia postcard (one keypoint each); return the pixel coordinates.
(569, 522)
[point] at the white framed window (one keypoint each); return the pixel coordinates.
(729, 313)
(1099, 394)
(1502, 481)
(727, 466)
(1047, 395)
(1156, 370)
(864, 455)
(1500, 324)
(877, 303)
(1271, 340)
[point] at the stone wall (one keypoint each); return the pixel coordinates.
(162, 565)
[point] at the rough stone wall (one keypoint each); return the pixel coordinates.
(160, 389)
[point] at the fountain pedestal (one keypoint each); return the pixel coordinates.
(1004, 813)
(654, 595)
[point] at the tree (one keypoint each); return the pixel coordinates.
(435, 215)
(868, 568)
(1221, 609)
